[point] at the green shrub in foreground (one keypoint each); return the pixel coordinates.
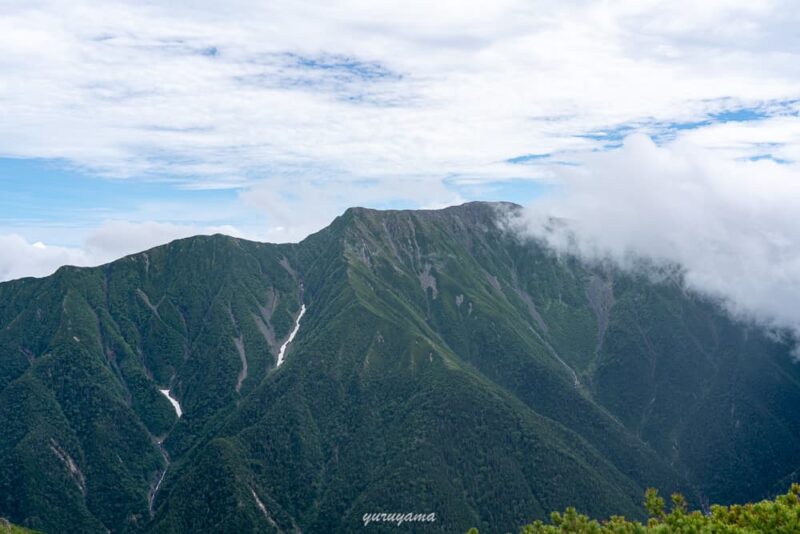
(781, 515)
(8, 528)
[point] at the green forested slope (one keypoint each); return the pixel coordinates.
(443, 365)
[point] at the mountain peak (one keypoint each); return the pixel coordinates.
(466, 207)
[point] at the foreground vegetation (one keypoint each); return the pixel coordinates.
(779, 515)
(8, 528)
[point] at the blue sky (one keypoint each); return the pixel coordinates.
(42, 193)
(126, 124)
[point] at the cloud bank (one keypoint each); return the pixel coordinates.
(732, 225)
(226, 94)
(109, 241)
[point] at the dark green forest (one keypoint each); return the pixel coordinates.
(444, 364)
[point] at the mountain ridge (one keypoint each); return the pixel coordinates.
(443, 364)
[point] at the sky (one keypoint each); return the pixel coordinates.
(669, 129)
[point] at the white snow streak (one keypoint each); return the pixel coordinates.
(173, 401)
(153, 493)
(282, 352)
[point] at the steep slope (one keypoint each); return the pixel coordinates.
(442, 365)
(85, 351)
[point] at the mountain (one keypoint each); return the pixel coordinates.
(442, 364)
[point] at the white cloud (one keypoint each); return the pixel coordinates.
(778, 136)
(296, 209)
(114, 239)
(107, 242)
(731, 224)
(220, 94)
(21, 258)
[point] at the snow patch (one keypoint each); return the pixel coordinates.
(173, 401)
(282, 352)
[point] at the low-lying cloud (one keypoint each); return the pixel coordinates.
(21, 258)
(731, 224)
(109, 241)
